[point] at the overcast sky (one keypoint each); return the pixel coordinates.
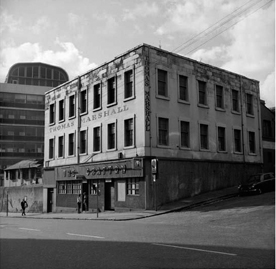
(79, 35)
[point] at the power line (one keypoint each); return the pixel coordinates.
(227, 28)
(209, 27)
(209, 30)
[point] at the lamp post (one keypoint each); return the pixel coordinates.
(7, 203)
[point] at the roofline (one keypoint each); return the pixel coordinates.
(152, 47)
(31, 63)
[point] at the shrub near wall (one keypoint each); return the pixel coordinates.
(34, 194)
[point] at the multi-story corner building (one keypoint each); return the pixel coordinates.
(22, 104)
(104, 128)
(268, 137)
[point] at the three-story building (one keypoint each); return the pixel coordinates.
(104, 128)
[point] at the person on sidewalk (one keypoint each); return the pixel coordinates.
(79, 203)
(84, 202)
(24, 205)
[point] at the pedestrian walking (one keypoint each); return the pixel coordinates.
(84, 202)
(24, 205)
(79, 203)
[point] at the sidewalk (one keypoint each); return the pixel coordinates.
(185, 204)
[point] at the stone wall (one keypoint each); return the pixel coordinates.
(34, 196)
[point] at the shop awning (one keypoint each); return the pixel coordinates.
(25, 164)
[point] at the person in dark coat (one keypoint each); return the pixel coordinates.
(84, 202)
(24, 205)
(79, 203)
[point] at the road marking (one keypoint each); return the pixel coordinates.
(197, 249)
(28, 229)
(84, 235)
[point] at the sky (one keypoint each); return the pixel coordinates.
(236, 35)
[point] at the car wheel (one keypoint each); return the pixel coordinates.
(260, 191)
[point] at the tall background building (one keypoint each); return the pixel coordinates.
(22, 106)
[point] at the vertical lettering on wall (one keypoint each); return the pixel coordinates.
(147, 93)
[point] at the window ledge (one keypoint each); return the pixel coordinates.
(129, 98)
(83, 113)
(220, 109)
(183, 102)
(236, 112)
(250, 115)
(97, 109)
(166, 98)
(238, 153)
(111, 104)
(203, 106)
(60, 121)
(72, 117)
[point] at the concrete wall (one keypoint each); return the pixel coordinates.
(178, 179)
(34, 196)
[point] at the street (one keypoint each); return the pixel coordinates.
(235, 233)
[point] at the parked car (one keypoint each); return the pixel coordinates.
(258, 183)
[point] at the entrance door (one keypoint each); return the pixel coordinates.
(50, 200)
(109, 195)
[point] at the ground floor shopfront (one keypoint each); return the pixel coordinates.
(129, 184)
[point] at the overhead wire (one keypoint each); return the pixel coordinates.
(226, 28)
(209, 30)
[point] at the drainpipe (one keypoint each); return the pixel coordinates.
(242, 123)
(78, 121)
(259, 128)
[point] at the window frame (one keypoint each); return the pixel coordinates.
(126, 145)
(220, 98)
(249, 104)
(61, 110)
(83, 101)
(235, 102)
(221, 140)
(133, 187)
(71, 144)
(51, 148)
(61, 146)
(185, 89)
(114, 136)
(100, 139)
(114, 90)
(167, 144)
(237, 150)
(186, 135)
(203, 136)
(127, 82)
(165, 83)
(72, 106)
(252, 151)
(83, 142)
(200, 92)
(52, 113)
(97, 97)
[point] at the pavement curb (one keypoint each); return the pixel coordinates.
(117, 218)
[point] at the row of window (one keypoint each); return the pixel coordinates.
(38, 72)
(163, 138)
(18, 98)
(15, 114)
(183, 90)
(22, 131)
(74, 187)
(97, 98)
(183, 93)
(111, 140)
(185, 135)
(22, 148)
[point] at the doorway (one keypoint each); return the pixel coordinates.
(50, 200)
(109, 196)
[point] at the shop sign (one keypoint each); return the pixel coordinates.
(106, 170)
